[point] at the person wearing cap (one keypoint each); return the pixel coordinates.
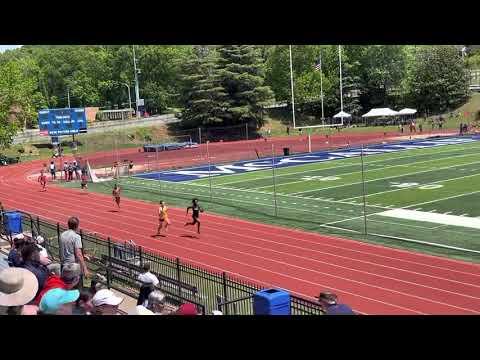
(106, 302)
(187, 309)
(59, 302)
(17, 288)
(67, 281)
(330, 305)
(140, 310)
(14, 256)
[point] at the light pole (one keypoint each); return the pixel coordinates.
(137, 95)
(129, 96)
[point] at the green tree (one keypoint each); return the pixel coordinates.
(202, 92)
(242, 76)
(439, 79)
(19, 98)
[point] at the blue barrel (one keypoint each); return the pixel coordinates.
(271, 302)
(13, 222)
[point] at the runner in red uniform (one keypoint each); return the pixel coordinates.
(42, 179)
(116, 195)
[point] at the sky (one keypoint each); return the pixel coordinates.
(8, 47)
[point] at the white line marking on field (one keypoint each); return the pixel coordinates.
(441, 199)
(414, 187)
(386, 178)
(442, 219)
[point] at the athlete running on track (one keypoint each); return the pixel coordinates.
(196, 210)
(116, 195)
(163, 220)
(42, 179)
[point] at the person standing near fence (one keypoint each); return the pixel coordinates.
(71, 248)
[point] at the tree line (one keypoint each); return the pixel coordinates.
(227, 85)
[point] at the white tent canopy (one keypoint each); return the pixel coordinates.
(407, 111)
(381, 112)
(342, 114)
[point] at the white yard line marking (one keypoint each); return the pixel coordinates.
(388, 177)
(413, 187)
(440, 199)
(369, 171)
(425, 152)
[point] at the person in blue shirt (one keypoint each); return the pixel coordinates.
(329, 302)
(14, 256)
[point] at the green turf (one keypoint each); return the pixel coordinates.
(328, 197)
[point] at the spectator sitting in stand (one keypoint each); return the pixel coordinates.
(17, 288)
(59, 302)
(68, 280)
(31, 261)
(106, 302)
(83, 305)
(187, 309)
(15, 254)
(156, 303)
(329, 303)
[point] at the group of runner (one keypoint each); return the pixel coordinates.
(163, 220)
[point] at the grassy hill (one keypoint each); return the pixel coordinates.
(278, 120)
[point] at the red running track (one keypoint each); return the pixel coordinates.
(372, 279)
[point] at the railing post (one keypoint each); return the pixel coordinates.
(225, 296)
(38, 225)
(58, 242)
(140, 254)
(31, 224)
(109, 261)
(179, 277)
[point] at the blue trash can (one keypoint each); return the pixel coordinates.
(271, 302)
(13, 222)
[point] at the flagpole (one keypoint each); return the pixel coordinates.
(209, 172)
(291, 86)
(321, 83)
(340, 67)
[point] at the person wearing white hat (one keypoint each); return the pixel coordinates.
(140, 310)
(17, 288)
(106, 302)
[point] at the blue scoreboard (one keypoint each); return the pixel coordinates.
(58, 122)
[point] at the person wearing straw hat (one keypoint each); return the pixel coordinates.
(17, 288)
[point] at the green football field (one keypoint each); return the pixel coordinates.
(423, 199)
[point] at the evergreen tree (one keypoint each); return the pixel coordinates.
(242, 76)
(203, 95)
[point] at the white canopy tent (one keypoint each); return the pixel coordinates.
(381, 112)
(407, 111)
(342, 114)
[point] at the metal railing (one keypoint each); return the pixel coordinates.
(120, 263)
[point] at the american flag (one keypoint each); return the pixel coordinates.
(318, 66)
